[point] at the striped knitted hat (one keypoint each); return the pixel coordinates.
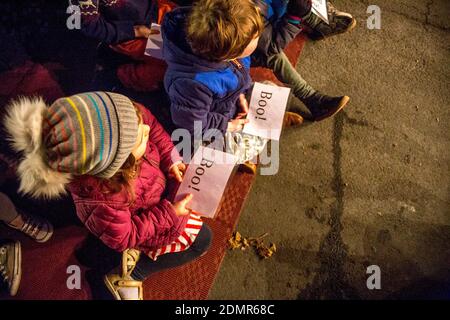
(86, 134)
(90, 133)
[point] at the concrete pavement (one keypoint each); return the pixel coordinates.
(372, 185)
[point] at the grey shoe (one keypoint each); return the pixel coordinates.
(11, 266)
(35, 227)
(340, 22)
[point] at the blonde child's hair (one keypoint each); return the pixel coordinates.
(220, 30)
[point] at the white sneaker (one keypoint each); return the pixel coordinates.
(123, 288)
(11, 266)
(37, 228)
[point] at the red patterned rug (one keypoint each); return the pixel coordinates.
(45, 266)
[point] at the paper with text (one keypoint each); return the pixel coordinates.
(319, 7)
(155, 43)
(266, 111)
(206, 179)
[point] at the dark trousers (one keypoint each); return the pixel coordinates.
(8, 212)
(146, 266)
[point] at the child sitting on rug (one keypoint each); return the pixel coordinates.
(207, 48)
(124, 25)
(283, 21)
(116, 160)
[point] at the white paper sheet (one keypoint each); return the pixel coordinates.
(155, 43)
(206, 179)
(267, 108)
(319, 7)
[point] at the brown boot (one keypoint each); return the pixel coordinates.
(248, 167)
(292, 119)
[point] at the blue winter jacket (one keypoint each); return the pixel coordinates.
(200, 90)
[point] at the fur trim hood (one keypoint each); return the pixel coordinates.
(23, 124)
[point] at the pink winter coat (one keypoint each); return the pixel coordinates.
(150, 222)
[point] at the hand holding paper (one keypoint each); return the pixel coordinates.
(206, 179)
(155, 43)
(142, 31)
(237, 125)
(243, 104)
(181, 206)
(177, 171)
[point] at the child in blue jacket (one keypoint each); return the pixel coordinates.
(207, 49)
(283, 21)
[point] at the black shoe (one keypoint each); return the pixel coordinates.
(340, 22)
(322, 106)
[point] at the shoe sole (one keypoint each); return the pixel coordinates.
(47, 237)
(17, 269)
(351, 26)
(111, 288)
(349, 29)
(341, 106)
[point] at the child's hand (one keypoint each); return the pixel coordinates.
(177, 171)
(237, 125)
(142, 31)
(180, 206)
(243, 103)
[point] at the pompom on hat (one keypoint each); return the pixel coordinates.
(86, 134)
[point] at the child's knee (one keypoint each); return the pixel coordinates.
(204, 239)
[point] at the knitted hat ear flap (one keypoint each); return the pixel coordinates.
(23, 124)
